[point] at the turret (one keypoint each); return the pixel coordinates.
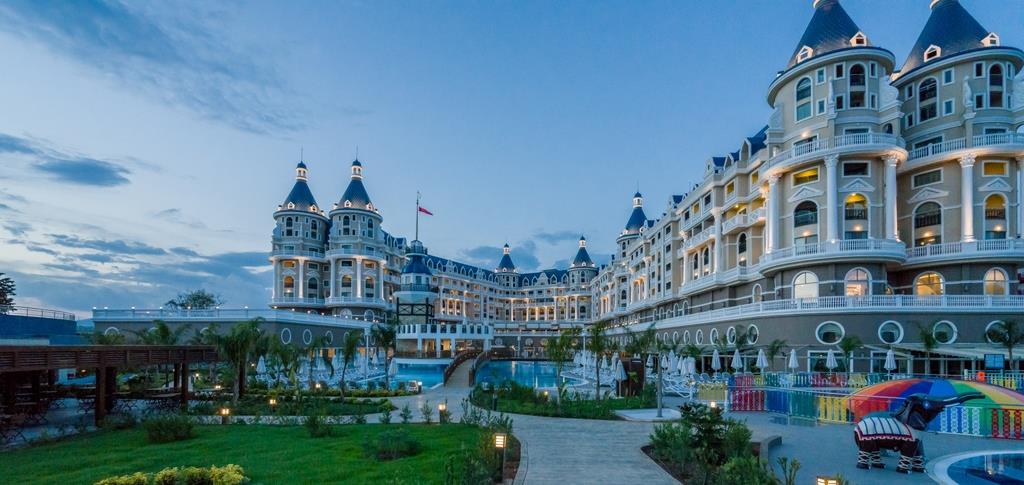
(299, 219)
(506, 265)
(582, 269)
(354, 217)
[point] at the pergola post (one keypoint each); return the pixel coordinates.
(100, 408)
(110, 375)
(184, 385)
(177, 374)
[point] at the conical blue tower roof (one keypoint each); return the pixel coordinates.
(300, 198)
(637, 219)
(355, 195)
(951, 28)
(506, 265)
(414, 263)
(582, 258)
(830, 29)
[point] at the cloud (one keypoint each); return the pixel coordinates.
(156, 49)
(115, 246)
(16, 228)
(84, 171)
(64, 166)
(557, 236)
(175, 216)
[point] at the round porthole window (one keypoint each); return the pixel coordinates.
(996, 325)
(286, 336)
(713, 335)
(890, 332)
(752, 334)
(730, 335)
(329, 335)
(699, 337)
(829, 333)
(944, 332)
(686, 337)
(111, 331)
(307, 337)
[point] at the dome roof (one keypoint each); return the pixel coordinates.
(637, 219)
(355, 195)
(582, 258)
(950, 28)
(415, 255)
(300, 198)
(830, 29)
(506, 265)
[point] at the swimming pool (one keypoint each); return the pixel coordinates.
(536, 374)
(429, 374)
(980, 468)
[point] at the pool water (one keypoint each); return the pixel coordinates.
(1002, 468)
(536, 374)
(429, 374)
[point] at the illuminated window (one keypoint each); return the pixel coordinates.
(929, 284)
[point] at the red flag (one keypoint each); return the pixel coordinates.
(424, 210)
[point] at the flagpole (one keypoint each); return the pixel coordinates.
(417, 215)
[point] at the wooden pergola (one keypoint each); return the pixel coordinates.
(32, 363)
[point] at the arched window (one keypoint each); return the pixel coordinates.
(741, 245)
(927, 104)
(314, 287)
(805, 216)
(857, 75)
(755, 294)
(995, 282)
(370, 287)
(346, 225)
(995, 217)
(858, 282)
(803, 99)
(888, 128)
(857, 86)
(805, 285)
(926, 217)
(707, 260)
(995, 86)
(288, 224)
(289, 286)
(929, 284)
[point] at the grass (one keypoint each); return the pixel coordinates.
(252, 406)
(518, 399)
(269, 454)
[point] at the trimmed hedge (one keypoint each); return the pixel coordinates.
(214, 475)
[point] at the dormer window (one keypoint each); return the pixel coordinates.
(991, 40)
(291, 205)
(932, 52)
(369, 206)
(860, 39)
(312, 208)
(804, 54)
(348, 203)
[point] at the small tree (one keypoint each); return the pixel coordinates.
(1009, 334)
(560, 350)
(773, 350)
(349, 348)
(599, 344)
(928, 343)
(848, 345)
(384, 336)
(237, 347)
(7, 292)
(195, 300)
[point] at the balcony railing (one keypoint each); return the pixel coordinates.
(309, 253)
(835, 143)
(961, 143)
(886, 246)
(27, 311)
(856, 214)
(997, 214)
(294, 300)
(925, 219)
(225, 314)
(825, 304)
(338, 300)
(700, 237)
(965, 248)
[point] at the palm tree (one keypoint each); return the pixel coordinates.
(599, 344)
(658, 348)
(289, 358)
(384, 335)
(560, 349)
(349, 348)
(160, 334)
(773, 350)
(238, 347)
(1009, 334)
(315, 350)
(847, 345)
(929, 343)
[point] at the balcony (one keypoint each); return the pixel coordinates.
(856, 249)
(960, 250)
(308, 253)
(729, 276)
(856, 214)
(742, 221)
(296, 301)
(700, 237)
(1011, 140)
(836, 145)
(356, 301)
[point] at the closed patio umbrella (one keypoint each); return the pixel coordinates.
(620, 371)
(691, 366)
(681, 369)
(261, 366)
(393, 368)
(336, 361)
(762, 359)
(890, 360)
(664, 363)
(830, 360)
(716, 363)
(650, 361)
(737, 360)
(673, 362)
(792, 364)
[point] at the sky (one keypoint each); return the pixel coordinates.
(144, 146)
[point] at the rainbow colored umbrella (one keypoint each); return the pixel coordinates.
(888, 396)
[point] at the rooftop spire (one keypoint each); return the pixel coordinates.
(950, 30)
(830, 29)
(506, 265)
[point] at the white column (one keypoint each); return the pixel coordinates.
(891, 213)
(301, 284)
(967, 197)
(772, 224)
(334, 277)
(686, 267)
(451, 349)
(380, 281)
(719, 264)
(277, 279)
(437, 345)
(1020, 197)
(358, 283)
(832, 197)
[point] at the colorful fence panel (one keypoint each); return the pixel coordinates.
(958, 420)
(833, 409)
(746, 400)
(1006, 423)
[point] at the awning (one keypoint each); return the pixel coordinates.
(961, 352)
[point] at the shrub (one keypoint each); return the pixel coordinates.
(391, 444)
(406, 414)
(701, 442)
(357, 419)
(426, 411)
(120, 421)
(225, 475)
(747, 470)
(385, 415)
(316, 424)
(467, 467)
(168, 427)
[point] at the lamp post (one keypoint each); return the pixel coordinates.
(499, 443)
(823, 480)
(225, 414)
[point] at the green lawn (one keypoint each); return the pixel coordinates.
(269, 454)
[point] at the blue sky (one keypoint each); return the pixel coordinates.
(144, 146)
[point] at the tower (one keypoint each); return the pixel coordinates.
(298, 242)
